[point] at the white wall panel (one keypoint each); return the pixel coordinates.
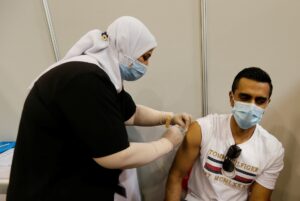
(262, 33)
(172, 83)
(25, 51)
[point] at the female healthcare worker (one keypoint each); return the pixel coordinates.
(72, 141)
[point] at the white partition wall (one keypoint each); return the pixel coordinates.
(262, 33)
(24, 52)
(172, 83)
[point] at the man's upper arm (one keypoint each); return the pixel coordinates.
(188, 151)
(259, 193)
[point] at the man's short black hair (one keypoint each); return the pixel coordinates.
(252, 73)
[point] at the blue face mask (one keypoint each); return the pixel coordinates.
(133, 72)
(246, 115)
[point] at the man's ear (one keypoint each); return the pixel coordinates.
(231, 100)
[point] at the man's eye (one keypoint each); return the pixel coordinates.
(260, 101)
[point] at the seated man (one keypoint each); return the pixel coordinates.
(230, 155)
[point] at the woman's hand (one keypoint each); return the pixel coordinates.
(183, 120)
(174, 134)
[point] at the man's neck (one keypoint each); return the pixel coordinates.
(240, 135)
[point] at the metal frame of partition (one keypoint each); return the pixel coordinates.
(203, 9)
(51, 30)
(204, 57)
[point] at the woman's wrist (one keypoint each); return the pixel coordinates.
(166, 119)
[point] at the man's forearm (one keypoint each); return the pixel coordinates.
(173, 189)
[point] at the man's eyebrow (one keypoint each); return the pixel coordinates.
(261, 98)
(244, 95)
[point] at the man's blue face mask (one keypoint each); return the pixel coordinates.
(133, 72)
(246, 115)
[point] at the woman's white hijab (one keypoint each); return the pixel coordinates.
(127, 36)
